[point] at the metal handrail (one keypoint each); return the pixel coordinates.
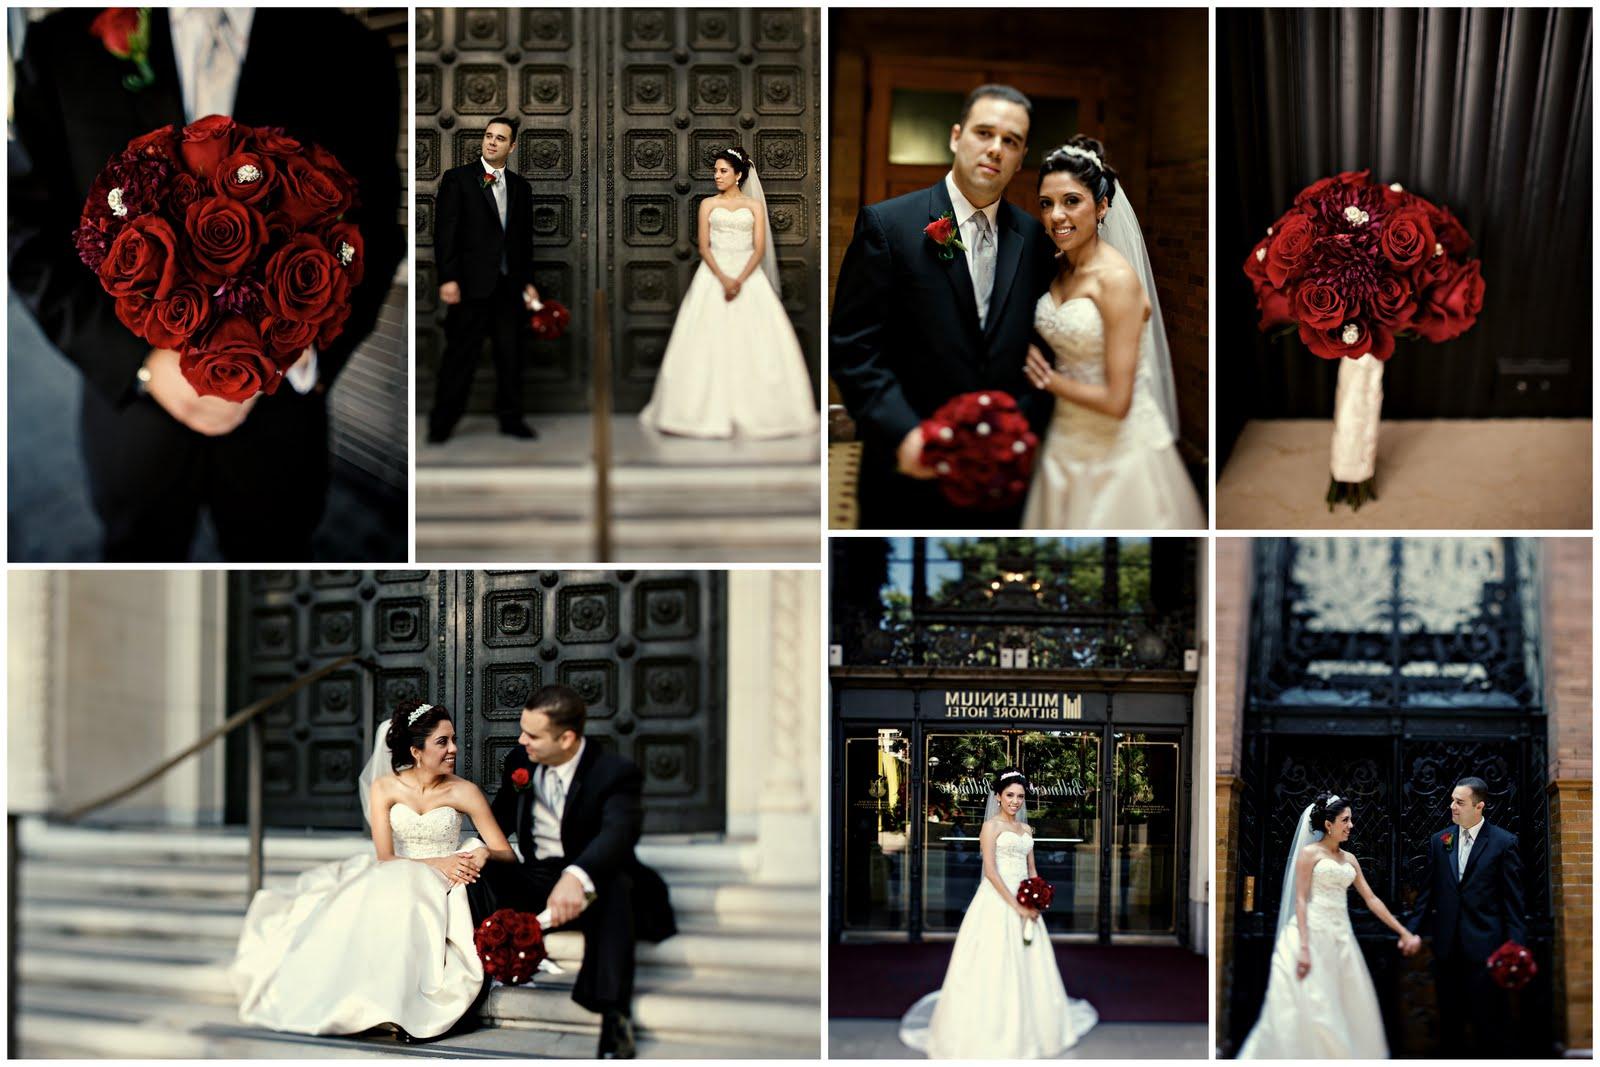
(248, 716)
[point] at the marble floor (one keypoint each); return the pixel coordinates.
(878, 1039)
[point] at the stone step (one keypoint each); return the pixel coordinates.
(699, 540)
(640, 492)
(724, 1010)
(83, 1023)
(673, 856)
(206, 888)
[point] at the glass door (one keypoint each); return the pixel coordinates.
(1144, 851)
(877, 830)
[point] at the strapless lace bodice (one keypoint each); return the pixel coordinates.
(1011, 857)
(1328, 904)
(733, 229)
(416, 837)
(1076, 335)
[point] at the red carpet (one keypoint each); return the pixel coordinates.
(1125, 983)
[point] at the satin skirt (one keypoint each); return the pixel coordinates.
(1143, 487)
(357, 944)
(732, 367)
(1331, 1014)
(1001, 999)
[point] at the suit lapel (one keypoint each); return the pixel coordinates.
(955, 268)
(1007, 256)
(1478, 847)
(487, 189)
(160, 103)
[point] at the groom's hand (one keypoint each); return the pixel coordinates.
(209, 415)
(909, 457)
(566, 900)
(450, 293)
(1410, 945)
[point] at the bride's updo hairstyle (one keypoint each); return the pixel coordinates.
(1084, 158)
(736, 159)
(1325, 809)
(405, 734)
(1008, 777)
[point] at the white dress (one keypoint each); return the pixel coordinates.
(1001, 999)
(732, 366)
(1333, 1013)
(357, 943)
(1095, 472)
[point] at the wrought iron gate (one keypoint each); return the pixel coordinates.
(621, 112)
(1386, 671)
(644, 648)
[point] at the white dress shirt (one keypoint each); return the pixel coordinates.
(965, 215)
(191, 47)
(498, 188)
(547, 822)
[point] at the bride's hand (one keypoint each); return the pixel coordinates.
(1302, 966)
(479, 857)
(1038, 369)
(730, 288)
(1027, 913)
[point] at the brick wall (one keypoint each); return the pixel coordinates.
(1569, 658)
(1227, 815)
(1232, 645)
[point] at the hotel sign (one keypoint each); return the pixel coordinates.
(1027, 704)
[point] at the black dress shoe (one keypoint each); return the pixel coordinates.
(616, 1037)
(401, 1035)
(437, 436)
(517, 428)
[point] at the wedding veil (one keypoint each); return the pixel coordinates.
(1303, 836)
(769, 258)
(377, 767)
(1122, 232)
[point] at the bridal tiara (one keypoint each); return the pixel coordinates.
(1011, 774)
(422, 709)
(1081, 153)
(1332, 800)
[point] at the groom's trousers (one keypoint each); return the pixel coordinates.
(1475, 1017)
(605, 981)
(499, 317)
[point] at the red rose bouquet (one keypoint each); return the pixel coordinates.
(982, 449)
(511, 945)
(1511, 966)
(227, 243)
(1035, 893)
(1350, 267)
(549, 320)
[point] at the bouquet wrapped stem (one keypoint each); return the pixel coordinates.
(1357, 406)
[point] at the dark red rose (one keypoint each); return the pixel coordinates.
(344, 241)
(1392, 303)
(304, 281)
(520, 777)
(1289, 248)
(1451, 235)
(1451, 307)
(231, 363)
(179, 317)
(142, 259)
(225, 236)
(940, 229)
(134, 312)
(162, 143)
(1406, 237)
(115, 26)
(308, 194)
(329, 164)
(1274, 307)
(207, 142)
(333, 326)
(1396, 196)
(248, 177)
(1323, 185)
(550, 321)
(1353, 340)
(274, 142)
(1319, 306)
(287, 338)
(493, 931)
(525, 934)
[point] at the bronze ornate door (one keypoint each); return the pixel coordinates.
(621, 110)
(644, 648)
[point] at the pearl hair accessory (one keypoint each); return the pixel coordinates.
(422, 709)
(1081, 153)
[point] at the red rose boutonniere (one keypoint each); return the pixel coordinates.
(942, 230)
(125, 31)
(520, 778)
(488, 178)
(1449, 840)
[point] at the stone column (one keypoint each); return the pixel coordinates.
(33, 692)
(1231, 645)
(1200, 836)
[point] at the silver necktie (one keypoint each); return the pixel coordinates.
(214, 81)
(983, 265)
(553, 791)
(1461, 858)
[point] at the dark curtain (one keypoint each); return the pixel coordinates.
(1486, 111)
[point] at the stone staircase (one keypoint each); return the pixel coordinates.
(125, 937)
(489, 497)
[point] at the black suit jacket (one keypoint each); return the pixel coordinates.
(467, 230)
(72, 114)
(904, 337)
(600, 826)
(1484, 908)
